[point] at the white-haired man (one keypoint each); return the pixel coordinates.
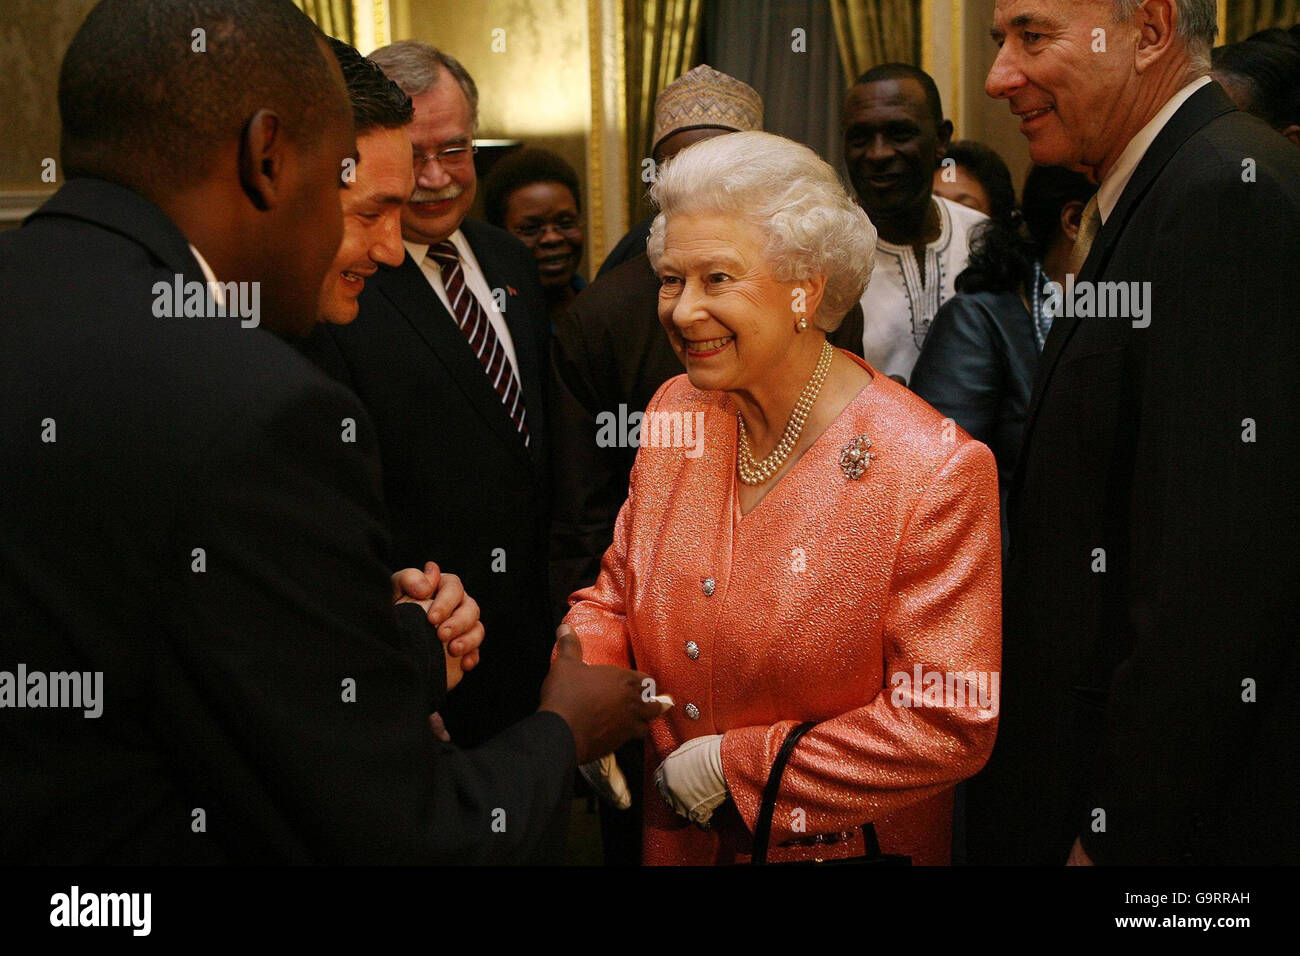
(1149, 635)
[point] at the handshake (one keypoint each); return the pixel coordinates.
(603, 706)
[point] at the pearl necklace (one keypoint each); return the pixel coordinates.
(757, 472)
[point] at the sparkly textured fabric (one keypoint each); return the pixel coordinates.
(805, 609)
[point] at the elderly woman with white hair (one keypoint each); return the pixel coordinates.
(804, 541)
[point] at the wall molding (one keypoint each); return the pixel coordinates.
(607, 219)
(17, 204)
(372, 25)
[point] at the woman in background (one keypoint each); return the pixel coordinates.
(977, 177)
(980, 358)
(534, 195)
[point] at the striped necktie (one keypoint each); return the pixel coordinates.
(482, 338)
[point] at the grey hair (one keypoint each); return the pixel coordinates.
(1198, 25)
(787, 191)
(416, 66)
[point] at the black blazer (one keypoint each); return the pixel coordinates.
(977, 367)
(460, 485)
(629, 247)
(223, 670)
(1155, 696)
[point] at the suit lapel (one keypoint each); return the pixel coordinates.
(407, 289)
(1203, 106)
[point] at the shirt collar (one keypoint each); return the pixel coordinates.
(1112, 187)
(419, 250)
(214, 287)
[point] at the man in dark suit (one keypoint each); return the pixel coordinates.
(448, 355)
(1150, 633)
(228, 680)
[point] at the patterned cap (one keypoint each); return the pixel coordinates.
(703, 99)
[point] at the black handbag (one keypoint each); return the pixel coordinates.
(763, 828)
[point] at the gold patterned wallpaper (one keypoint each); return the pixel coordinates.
(33, 36)
(530, 61)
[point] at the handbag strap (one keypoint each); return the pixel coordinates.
(763, 827)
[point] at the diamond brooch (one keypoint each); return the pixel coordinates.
(855, 457)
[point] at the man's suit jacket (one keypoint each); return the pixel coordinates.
(460, 485)
(1150, 629)
(181, 513)
(630, 246)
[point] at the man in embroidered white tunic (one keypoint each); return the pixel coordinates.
(895, 136)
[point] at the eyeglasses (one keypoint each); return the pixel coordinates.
(565, 227)
(450, 157)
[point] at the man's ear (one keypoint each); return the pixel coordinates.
(1292, 133)
(1156, 31)
(261, 159)
(1071, 218)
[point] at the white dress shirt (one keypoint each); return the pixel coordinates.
(214, 287)
(898, 305)
(1112, 187)
(474, 281)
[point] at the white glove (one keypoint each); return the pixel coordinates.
(690, 779)
(608, 781)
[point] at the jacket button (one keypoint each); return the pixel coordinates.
(692, 712)
(708, 585)
(692, 650)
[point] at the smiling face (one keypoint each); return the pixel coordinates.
(443, 195)
(892, 145)
(730, 322)
(545, 216)
(372, 226)
(1072, 99)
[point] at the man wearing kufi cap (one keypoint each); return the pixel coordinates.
(698, 105)
(704, 102)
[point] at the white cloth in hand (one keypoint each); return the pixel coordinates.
(608, 781)
(690, 779)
